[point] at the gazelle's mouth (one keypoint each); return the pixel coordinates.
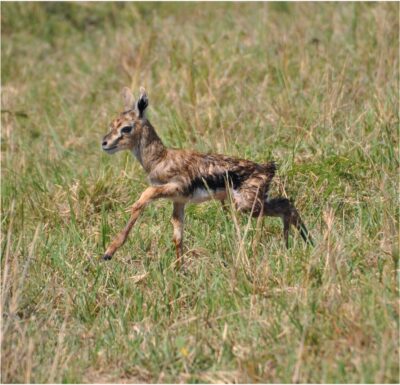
(110, 148)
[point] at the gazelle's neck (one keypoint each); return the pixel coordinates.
(149, 149)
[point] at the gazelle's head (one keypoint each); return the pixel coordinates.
(126, 129)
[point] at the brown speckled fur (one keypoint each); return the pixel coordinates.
(185, 176)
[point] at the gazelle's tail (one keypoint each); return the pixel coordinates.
(269, 168)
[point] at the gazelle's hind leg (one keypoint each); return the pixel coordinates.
(282, 207)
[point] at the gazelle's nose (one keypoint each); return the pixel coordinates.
(104, 143)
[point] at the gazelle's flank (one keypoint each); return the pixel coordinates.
(185, 176)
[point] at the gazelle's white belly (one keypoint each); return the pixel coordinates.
(200, 195)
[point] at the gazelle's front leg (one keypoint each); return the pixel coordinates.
(150, 194)
(177, 221)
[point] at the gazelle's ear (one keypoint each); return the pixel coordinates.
(142, 103)
(129, 100)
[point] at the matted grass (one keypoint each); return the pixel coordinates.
(312, 86)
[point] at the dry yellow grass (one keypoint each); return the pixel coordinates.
(311, 85)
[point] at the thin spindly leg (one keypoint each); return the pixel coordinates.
(286, 226)
(150, 194)
(177, 221)
(283, 208)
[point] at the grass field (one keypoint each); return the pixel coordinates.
(313, 86)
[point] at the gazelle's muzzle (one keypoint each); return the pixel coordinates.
(108, 146)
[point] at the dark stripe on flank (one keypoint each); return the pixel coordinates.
(215, 182)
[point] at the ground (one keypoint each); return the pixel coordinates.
(313, 86)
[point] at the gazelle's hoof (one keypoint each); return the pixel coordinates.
(107, 257)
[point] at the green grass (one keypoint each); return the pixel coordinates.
(313, 86)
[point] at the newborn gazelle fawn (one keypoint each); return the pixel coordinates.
(185, 176)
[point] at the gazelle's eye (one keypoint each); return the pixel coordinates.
(126, 129)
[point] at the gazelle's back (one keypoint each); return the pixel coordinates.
(194, 171)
